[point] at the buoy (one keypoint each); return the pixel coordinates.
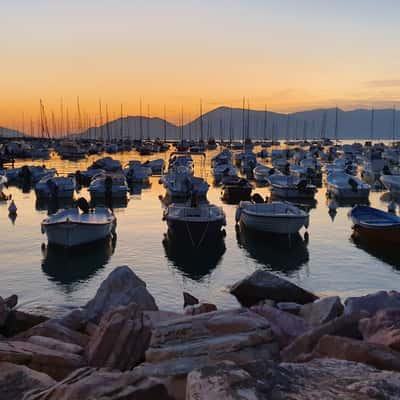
(12, 208)
(392, 207)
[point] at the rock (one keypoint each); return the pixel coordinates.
(382, 328)
(4, 311)
(74, 319)
(263, 285)
(372, 303)
(345, 325)
(120, 288)
(54, 363)
(200, 309)
(179, 346)
(54, 344)
(55, 330)
(91, 328)
(322, 310)
(121, 340)
(224, 380)
(15, 380)
(93, 384)
(11, 301)
(20, 321)
(153, 318)
(285, 326)
(189, 300)
(342, 348)
(292, 308)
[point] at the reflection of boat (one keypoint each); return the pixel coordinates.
(375, 224)
(69, 266)
(278, 255)
(196, 263)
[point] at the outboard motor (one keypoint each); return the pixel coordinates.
(302, 185)
(83, 205)
(386, 170)
(353, 183)
(52, 187)
(257, 198)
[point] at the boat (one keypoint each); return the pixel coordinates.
(136, 172)
(72, 227)
(275, 218)
(262, 173)
(195, 222)
(109, 185)
(345, 186)
(236, 189)
(391, 183)
(291, 187)
(375, 224)
(107, 164)
(157, 166)
(69, 150)
(55, 187)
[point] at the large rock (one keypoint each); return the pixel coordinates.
(372, 303)
(75, 319)
(342, 348)
(53, 329)
(121, 340)
(15, 380)
(20, 321)
(345, 325)
(322, 310)
(285, 326)
(382, 328)
(94, 384)
(263, 285)
(54, 363)
(189, 300)
(120, 288)
(4, 311)
(11, 301)
(54, 344)
(200, 309)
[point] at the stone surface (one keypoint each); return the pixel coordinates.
(11, 301)
(224, 380)
(15, 380)
(200, 309)
(20, 321)
(292, 308)
(189, 300)
(121, 340)
(322, 310)
(372, 303)
(54, 344)
(120, 288)
(4, 311)
(74, 319)
(345, 325)
(95, 384)
(55, 330)
(153, 318)
(285, 326)
(382, 328)
(342, 348)
(54, 363)
(263, 285)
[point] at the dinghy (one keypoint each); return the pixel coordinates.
(56, 187)
(376, 224)
(344, 186)
(112, 186)
(291, 187)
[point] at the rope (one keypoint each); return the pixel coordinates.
(201, 238)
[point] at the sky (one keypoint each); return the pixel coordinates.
(290, 55)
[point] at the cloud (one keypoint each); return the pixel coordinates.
(381, 83)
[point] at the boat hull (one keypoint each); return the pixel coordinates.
(292, 193)
(348, 193)
(387, 235)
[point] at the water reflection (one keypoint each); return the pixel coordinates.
(196, 263)
(278, 253)
(110, 203)
(70, 266)
(388, 253)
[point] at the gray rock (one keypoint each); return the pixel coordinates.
(4, 311)
(120, 288)
(20, 321)
(372, 303)
(292, 308)
(322, 310)
(189, 300)
(54, 344)
(263, 285)
(11, 301)
(74, 319)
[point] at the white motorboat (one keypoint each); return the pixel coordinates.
(72, 227)
(262, 173)
(275, 217)
(109, 185)
(345, 186)
(223, 170)
(28, 174)
(391, 183)
(157, 166)
(70, 150)
(55, 187)
(195, 222)
(107, 164)
(291, 187)
(135, 172)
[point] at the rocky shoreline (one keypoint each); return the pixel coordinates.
(283, 343)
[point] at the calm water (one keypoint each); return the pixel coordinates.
(330, 263)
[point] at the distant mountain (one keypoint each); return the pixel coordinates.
(9, 133)
(218, 123)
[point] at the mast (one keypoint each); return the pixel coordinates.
(61, 118)
(305, 130)
(296, 129)
(231, 126)
(394, 123)
(148, 122)
(243, 122)
(220, 130)
(336, 124)
(265, 122)
(323, 126)
(108, 125)
(101, 122)
(165, 124)
(287, 127)
(372, 123)
(121, 132)
(248, 122)
(201, 122)
(181, 129)
(140, 121)
(79, 115)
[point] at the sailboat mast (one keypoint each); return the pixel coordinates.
(122, 124)
(165, 124)
(336, 124)
(201, 122)
(230, 126)
(140, 121)
(148, 122)
(243, 122)
(265, 123)
(372, 123)
(394, 123)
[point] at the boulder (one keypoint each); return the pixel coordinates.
(121, 339)
(54, 363)
(342, 348)
(153, 318)
(120, 288)
(263, 285)
(189, 300)
(292, 308)
(11, 301)
(54, 344)
(74, 319)
(53, 329)
(224, 380)
(20, 321)
(345, 325)
(322, 310)
(93, 384)
(200, 309)
(4, 311)
(15, 380)
(382, 328)
(285, 326)
(372, 303)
